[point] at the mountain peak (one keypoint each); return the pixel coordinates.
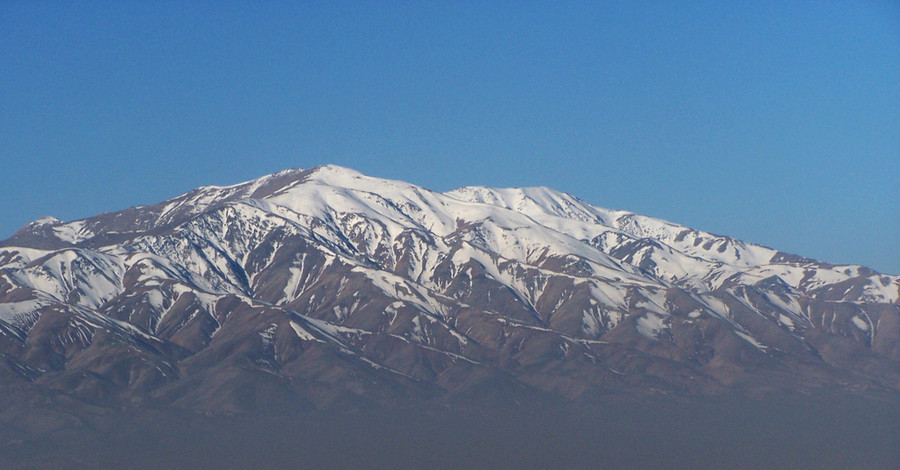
(337, 170)
(347, 178)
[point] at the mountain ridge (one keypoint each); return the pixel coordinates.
(338, 286)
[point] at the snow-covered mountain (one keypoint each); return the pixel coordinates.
(325, 285)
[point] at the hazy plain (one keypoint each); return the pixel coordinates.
(790, 432)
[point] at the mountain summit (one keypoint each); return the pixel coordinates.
(326, 286)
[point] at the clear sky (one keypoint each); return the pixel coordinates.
(774, 122)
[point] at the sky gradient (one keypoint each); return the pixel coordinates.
(774, 122)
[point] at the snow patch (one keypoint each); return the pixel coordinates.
(303, 334)
(650, 325)
(750, 339)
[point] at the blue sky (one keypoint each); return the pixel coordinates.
(775, 122)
